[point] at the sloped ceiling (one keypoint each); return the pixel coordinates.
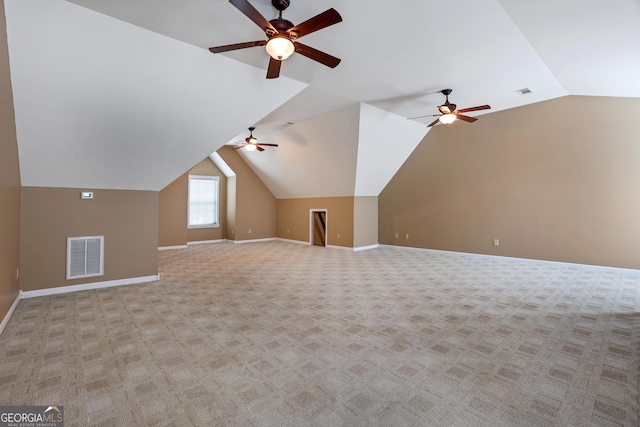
(104, 104)
(592, 48)
(128, 87)
(328, 170)
(385, 141)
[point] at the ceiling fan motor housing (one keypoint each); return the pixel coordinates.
(280, 4)
(282, 25)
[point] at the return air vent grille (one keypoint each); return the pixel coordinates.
(85, 257)
(524, 91)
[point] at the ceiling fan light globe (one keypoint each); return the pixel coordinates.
(251, 147)
(447, 118)
(280, 48)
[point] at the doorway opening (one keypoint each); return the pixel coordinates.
(318, 231)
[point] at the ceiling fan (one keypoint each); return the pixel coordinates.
(282, 35)
(251, 143)
(449, 113)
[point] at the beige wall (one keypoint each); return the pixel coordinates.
(231, 208)
(172, 211)
(365, 221)
(9, 183)
(255, 205)
(294, 219)
(556, 180)
(128, 220)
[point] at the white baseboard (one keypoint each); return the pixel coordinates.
(300, 242)
(366, 248)
(297, 242)
(7, 317)
(528, 260)
(87, 286)
(268, 239)
(168, 248)
(198, 242)
(204, 242)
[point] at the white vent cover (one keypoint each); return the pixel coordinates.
(85, 257)
(524, 91)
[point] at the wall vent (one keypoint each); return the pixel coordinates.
(85, 257)
(524, 91)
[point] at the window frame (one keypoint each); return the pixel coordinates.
(216, 218)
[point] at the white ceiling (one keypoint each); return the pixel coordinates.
(100, 103)
(133, 102)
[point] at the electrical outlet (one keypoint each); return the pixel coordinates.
(496, 242)
(396, 235)
(287, 231)
(17, 273)
(249, 231)
(406, 236)
(338, 235)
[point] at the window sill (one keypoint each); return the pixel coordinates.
(204, 226)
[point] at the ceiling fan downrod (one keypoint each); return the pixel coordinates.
(446, 93)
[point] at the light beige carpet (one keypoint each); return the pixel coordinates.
(279, 334)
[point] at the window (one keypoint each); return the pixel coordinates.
(203, 201)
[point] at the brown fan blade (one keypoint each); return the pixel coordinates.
(236, 46)
(259, 148)
(435, 122)
(318, 22)
(268, 145)
(317, 55)
(466, 118)
(273, 72)
(252, 13)
(480, 107)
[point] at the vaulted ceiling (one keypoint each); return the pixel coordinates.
(124, 93)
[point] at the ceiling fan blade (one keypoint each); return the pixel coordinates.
(435, 122)
(252, 13)
(466, 118)
(318, 22)
(480, 107)
(273, 72)
(259, 148)
(236, 46)
(267, 145)
(316, 55)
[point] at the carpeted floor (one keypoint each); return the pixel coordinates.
(279, 334)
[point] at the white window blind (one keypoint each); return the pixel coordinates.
(203, 201)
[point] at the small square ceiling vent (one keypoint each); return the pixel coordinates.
(524, 91)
